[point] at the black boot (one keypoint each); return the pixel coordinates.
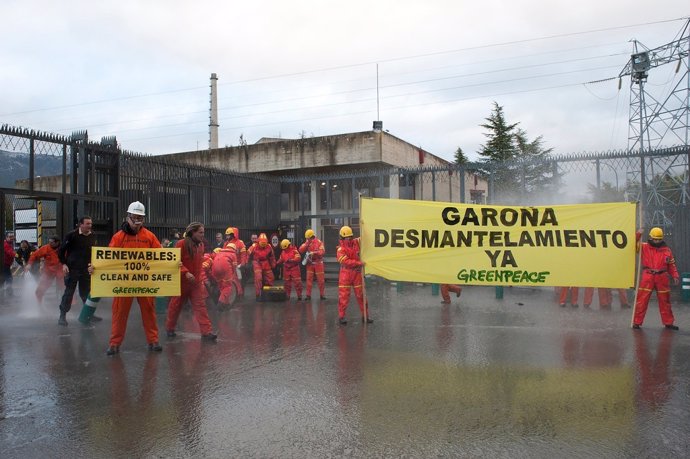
(112, 350)
(63, 319)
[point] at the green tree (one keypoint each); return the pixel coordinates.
(460, 157)
(515, 166)
(500, 145)
(607, 192)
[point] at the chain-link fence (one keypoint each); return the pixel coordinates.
(74, 177)
(658, 180)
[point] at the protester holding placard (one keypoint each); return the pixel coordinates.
(134, 235)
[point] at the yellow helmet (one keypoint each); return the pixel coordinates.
(216, 250)
(232, 247)
(308, 234)
(345, 231)
(656, 233)
(229, 231)
(284, 244)
(263, 240)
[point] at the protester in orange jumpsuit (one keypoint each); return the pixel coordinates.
(133, 235)
(52, 268)
(224, 271)
(232, 236)
(290, 259)
(446, 288)
(564, 296)
(623, 297)
(657, 264)
(604, 295)
(192, 288)
(350, 275)
(313, 251)
(263, 261)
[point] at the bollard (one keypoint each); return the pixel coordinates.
(434, 289)
(499, 292)
(685, 287)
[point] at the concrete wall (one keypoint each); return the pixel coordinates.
(291, 155)
(397, 152)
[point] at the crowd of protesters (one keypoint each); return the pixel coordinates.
(219, 269)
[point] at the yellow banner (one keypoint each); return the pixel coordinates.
(585, 245)
(135, 272)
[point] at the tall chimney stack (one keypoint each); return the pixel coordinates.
(213, 116)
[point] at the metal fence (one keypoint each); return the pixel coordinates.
(176, 194)
(657, 180)
(71, 176)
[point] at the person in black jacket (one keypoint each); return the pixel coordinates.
(75, 255)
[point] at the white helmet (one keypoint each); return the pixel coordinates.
(136, 208)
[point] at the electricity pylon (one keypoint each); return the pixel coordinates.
(657, 122)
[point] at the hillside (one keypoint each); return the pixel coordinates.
(15, 166)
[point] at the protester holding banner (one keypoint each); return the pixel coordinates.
(290, 259)
(193, 288)
(657, 264)
(52, 268)
(134, 235)
(604, 295)
(574, 292)
(350, 276)
(75, 256)
(313, 251)
(445, 292)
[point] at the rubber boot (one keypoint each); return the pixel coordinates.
(88, 310)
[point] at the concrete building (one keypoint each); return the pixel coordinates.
(340, 160)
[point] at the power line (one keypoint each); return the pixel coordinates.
(394, 59)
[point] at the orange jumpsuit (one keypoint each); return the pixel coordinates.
(350, 276)
(446, 288)
(314, 265)
(52, 269)
(194, 291)
(241, 250)
(564, 295)
(263, 261)
(657, 263)
(224, 271)
(291, 274)
(144, 239)
(604, 294)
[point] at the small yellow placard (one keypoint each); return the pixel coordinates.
(135, 272)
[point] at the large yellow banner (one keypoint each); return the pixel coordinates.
(584, 245)
(135, 272)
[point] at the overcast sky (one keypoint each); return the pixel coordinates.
(139, 70)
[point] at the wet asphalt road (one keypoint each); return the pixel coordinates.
(481, 377)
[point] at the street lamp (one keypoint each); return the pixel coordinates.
(615, 172)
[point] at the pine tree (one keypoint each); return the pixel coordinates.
(460, 157)
(500, 146)
(516, 166)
